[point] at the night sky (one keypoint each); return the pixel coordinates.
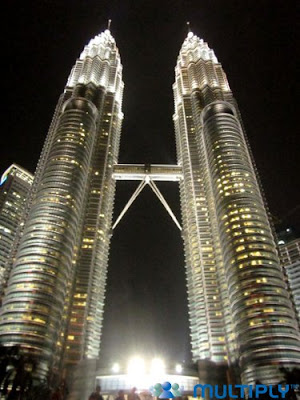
(256, 43)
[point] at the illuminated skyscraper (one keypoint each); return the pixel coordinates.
(239, 306)
(289, 249)
(55, 294)
(15, 184)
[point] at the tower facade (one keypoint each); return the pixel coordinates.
(289, 249)
(239, 306)
(55, 293)
(15, 184)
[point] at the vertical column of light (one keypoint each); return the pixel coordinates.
(85, 93)
(194, 278)
(210, 83)
(265, 323)
(103, 233)
(85, 274)
(205, 308)
(107, 156)
(105, 72)
(222, 332)
(33, 305)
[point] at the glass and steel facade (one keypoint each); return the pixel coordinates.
(240, 311)
(290, 257)
(15, 184)
(55, 293)
(239, 305)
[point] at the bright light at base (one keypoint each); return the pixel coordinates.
(178, 368)
(157, 367)
(136, 367)
(116, 368)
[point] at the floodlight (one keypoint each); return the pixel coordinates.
(115, 368)
(178, 368)
(136, 367)
(157, 367)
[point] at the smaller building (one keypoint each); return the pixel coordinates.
(289, 248)
(15, 184)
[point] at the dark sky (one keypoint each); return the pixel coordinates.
(256, 43)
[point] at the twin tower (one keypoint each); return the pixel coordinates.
(240, 310)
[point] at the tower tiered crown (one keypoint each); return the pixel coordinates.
(99, 63)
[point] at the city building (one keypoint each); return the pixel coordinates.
(239, 305)
(15, 184)
(241, 315)
(55, 295)
(289, 248)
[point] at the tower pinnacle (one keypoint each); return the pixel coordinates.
(108, 24)
(190, 33)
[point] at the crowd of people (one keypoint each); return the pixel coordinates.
(96, 395)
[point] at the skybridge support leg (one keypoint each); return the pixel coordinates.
(164, 203)
(150, 182)
(129, 203)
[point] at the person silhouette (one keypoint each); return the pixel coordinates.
(132, 395)
(166, 393)
(175, 390)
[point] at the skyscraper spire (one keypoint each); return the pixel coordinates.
(108, 24)
(189, 26)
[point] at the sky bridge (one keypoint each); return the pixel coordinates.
(147, 174)
(140, 172)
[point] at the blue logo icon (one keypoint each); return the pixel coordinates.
(245, 391)
(166, 390)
